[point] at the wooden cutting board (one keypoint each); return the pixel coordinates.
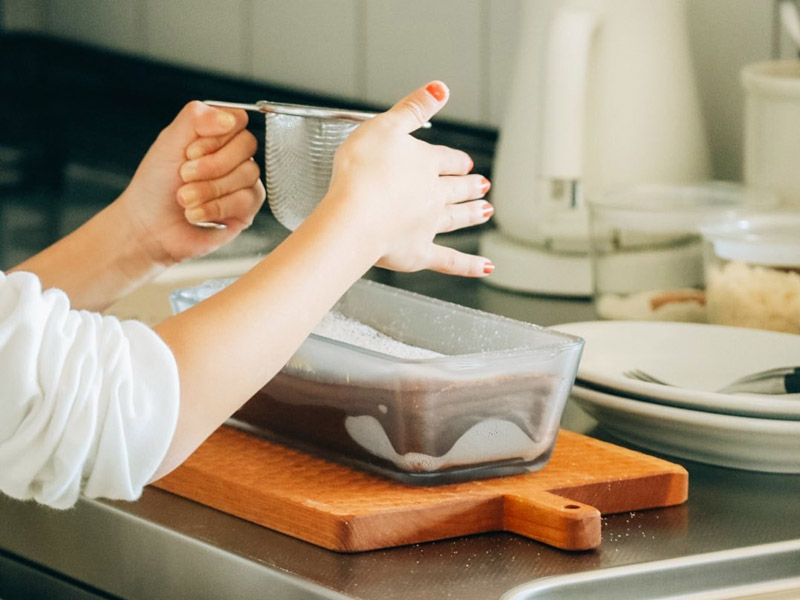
(344, 509)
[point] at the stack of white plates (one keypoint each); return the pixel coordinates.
(690, 420)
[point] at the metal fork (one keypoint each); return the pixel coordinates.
(781, 380)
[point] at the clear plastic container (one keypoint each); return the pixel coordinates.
(646, 246)
(490, 405)
(752, 269)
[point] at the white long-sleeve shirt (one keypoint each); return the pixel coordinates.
(88, 403)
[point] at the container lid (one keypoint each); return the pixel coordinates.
(770, 239)
(777, 78)
(675, 208)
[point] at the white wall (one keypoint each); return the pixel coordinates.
(727, 34)
(22, 14)
(375, 50)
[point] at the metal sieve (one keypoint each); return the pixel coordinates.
(299, 144)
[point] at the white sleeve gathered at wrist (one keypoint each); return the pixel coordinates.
(88, 403)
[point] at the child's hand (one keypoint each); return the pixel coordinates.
(200, 168)
(406, 191)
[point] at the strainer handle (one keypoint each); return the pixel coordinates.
(299, 110)
(221, 104)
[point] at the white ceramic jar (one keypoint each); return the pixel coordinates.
(772, 128)
(752, 271)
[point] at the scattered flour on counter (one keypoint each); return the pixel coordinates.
(488, 441)
(338, 327)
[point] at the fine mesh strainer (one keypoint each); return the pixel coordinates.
(299, 144)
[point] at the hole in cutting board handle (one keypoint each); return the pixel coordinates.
(571, 506)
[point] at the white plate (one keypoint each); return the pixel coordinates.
(698, 357)
(729, 441)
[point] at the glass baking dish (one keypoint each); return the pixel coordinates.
(490, 405)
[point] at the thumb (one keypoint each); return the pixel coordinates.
(416, 109)
(197, 119)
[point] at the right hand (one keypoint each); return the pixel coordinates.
(405, 191)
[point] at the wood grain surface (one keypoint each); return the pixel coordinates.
(343, 509)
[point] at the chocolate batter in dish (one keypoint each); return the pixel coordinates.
(414, 429)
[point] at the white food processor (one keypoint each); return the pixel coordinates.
(603, 96)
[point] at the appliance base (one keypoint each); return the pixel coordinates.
(523, 268)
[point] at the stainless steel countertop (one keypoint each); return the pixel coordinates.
(166, 546)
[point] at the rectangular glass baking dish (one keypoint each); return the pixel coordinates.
(490, 406)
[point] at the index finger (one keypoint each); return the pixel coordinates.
(209, 144)
(206, 125)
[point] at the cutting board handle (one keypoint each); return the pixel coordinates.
(553, 519)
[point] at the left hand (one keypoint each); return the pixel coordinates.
(200, 168)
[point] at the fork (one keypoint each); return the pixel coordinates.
(781, 380)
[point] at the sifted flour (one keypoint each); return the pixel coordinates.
(338, 327)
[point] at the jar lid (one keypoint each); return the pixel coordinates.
(769, 239)
(776, 78)
(678, 208)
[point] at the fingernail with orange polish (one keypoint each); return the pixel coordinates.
(436, 90)
(485, 185)
(488, 267)
(487, 210)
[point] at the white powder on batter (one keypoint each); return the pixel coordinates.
(488, 441)
(338, 327)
